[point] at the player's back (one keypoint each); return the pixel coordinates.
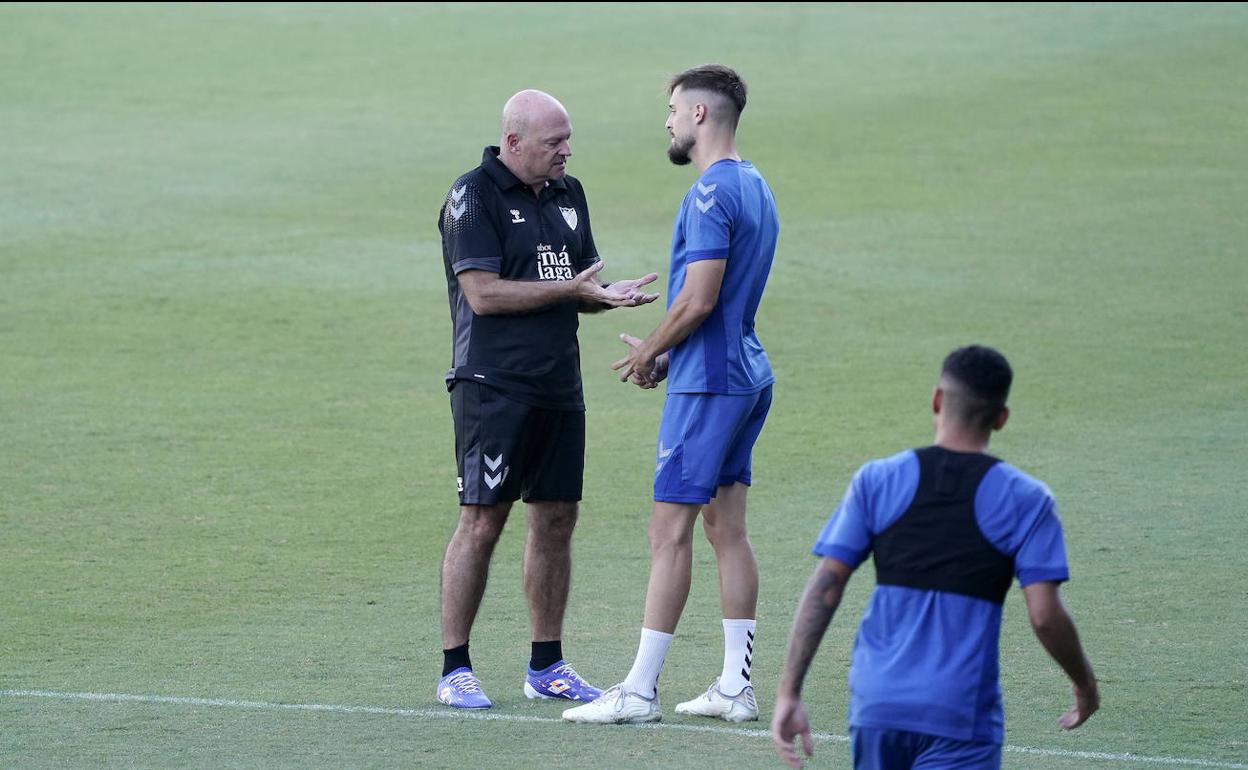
(948, 531)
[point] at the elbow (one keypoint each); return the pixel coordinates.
(700, 309)
(1041, 624)
(480, 305)
(1048, 620)
(831, 597)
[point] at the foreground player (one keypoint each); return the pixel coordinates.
(950, 526)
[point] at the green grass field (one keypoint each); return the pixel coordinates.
(226, 470)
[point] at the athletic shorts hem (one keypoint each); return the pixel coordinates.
(934, 730)
(683, 499)
(550, 499)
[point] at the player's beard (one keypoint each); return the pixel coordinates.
(678, 150)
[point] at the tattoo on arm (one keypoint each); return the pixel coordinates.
(818, 605)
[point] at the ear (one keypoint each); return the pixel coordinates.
(1001, 418)
(513, 142)
(699, 113)
(938, 399)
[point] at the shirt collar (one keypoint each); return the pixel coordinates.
(502, 175)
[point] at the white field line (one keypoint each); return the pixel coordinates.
(172, 700)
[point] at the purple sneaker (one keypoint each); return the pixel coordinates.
(559, 681)
(461, 689)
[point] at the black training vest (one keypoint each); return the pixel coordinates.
(936, 544)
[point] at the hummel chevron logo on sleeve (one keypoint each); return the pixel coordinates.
(458, 206)
(705, 190)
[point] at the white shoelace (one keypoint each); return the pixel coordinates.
(614, 693)
(465, 682)
(566, 670)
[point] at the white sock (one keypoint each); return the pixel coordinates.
(643, 678)
(738, 655)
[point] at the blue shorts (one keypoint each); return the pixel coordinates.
(875, 748)
(705, 440)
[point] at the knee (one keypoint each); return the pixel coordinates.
(665, 537)
(724, 536)
(482, 524)
(554, 522)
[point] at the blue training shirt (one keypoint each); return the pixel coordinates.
(927, 660)
(728, 214)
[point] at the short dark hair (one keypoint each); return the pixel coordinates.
(716, 78)
(981, 379)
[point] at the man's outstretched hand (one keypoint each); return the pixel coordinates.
(626, 293)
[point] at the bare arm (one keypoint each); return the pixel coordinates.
(692, 305)
(1056, 631)
(819, 602)
(488, 294)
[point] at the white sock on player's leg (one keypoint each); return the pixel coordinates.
(738, 655)
(643, 678)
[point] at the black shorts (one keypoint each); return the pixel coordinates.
(506, 450)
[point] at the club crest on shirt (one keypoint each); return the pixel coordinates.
(569, 216)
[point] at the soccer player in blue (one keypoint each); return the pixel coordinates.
(950, 527)
(718, 394)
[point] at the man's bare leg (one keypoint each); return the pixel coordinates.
(724, 524)
(466, 566)
(671, 563)
(548, 566)
(723, 520)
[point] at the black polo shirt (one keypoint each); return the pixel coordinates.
(492, 221)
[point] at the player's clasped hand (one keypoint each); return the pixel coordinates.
(640, 368)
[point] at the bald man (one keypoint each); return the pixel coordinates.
(521, 264)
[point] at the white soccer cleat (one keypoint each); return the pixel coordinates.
(616, 706)
(731, 708)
